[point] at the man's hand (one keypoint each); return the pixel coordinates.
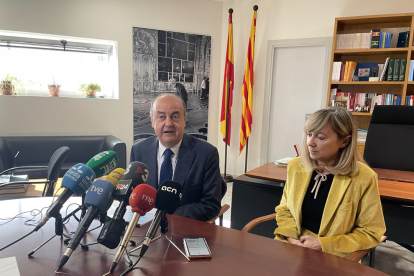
(311, 242)
(295, 242)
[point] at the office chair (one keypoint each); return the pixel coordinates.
(53, 170)
(355, 256)
(389, 143)
(224, 208)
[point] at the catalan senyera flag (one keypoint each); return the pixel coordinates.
(228, 85)
(247, 89)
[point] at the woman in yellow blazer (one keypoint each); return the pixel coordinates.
(330, 190)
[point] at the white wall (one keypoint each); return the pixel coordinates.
(107, 20)
(279, 20)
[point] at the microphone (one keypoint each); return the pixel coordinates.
(76, 180)
(103, 163)
(167, 201)
(98, 198)
(116, 175)
(111, 232)
(142, 200)
(113, 177)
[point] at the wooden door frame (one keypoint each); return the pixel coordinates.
(272, 45)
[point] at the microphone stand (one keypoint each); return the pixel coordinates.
(164, 230)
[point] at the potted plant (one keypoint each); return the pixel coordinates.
(90, 89)
(54, 89)
(11, 85)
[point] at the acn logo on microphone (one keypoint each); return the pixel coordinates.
(171, 190)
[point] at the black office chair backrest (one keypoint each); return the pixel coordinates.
(390, 138)
(56, 162)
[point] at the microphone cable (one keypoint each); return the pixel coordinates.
(32, 212)
(26, 222)
(131, 268)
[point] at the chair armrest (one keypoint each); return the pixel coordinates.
(24, 168)
(25, 182)
(249, 226)
(113, 143)
(356, 256)
(223, 209)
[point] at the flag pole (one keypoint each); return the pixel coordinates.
(227, 177)
(247, 151)
(255, 8)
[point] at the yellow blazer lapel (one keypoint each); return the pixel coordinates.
(339, 187)
(301, 178)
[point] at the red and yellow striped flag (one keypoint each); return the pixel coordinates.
(228, 84)
(247, 89)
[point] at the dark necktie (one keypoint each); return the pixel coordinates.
(166, 172)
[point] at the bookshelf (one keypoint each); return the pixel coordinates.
(352, 26)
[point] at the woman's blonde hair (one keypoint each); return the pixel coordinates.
(343, 124)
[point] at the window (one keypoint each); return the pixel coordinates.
(39, 60)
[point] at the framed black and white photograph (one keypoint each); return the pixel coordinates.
(163, 60)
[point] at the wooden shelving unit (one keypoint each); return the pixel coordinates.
(364, 24)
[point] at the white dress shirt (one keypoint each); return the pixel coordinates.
(160, 157)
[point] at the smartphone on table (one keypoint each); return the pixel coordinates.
(196, 248)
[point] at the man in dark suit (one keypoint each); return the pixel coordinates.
(191, 162)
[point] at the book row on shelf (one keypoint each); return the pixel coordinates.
(365, 102)
(390, 70)
(387, 38)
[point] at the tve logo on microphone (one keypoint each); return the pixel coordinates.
(97, 190)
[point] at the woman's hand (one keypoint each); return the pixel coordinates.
(311, 242)
(295, 242)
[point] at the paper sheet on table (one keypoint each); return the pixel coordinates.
(8, 267)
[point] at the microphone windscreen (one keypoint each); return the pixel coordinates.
(100, 195)
(116, 175)
(142, 199)
(168, 196)
(78, 179)
(137, 171)
(103, 163)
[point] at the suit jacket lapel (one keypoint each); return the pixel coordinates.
(150, 157)
(299, 192)
(339, 186)
(185, 160)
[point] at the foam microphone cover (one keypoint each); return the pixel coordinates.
(100, 195)
(78, 179)
(103, 163)
(116, 175)
(137, 171)
(142, 199)
(168, 196)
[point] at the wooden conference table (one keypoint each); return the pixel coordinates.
(234, 252)
(264, 187)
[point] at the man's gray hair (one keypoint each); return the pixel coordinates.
(163, 95)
